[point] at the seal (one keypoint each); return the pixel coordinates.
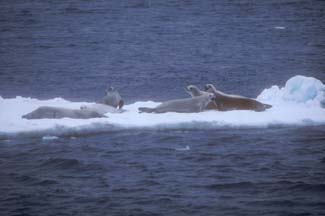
(101, 108)
(112, 98)
(227, 102)
(58, 112)
(187, 105)
(194, 91)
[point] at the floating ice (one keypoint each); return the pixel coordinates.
(300, 90)
(297, 103)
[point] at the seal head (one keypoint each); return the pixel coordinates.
(194, 91)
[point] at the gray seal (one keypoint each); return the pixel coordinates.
(101, 108)
(58, 112)
(112, 98)
(187, 105)
(194, 91)
(227, 102)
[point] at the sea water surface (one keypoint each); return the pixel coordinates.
(62, 53)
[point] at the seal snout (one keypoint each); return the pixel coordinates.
(209, 87)
(110, 88)
(189, 87)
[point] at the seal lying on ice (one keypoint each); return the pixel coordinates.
(226, 102)
(108, 104)
(187, 105)
(101, 108)
(58, 112)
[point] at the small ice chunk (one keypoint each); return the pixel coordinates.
(186, 148)
(49, 137)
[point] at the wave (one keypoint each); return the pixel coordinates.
(300, 102)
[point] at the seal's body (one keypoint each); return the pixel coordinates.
(58, 112)
(101, 108)
(187, 105)
(226, 102)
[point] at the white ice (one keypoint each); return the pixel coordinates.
(298, 103)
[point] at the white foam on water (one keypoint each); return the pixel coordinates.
(280, 27)
(186, 148)
(297, 103)
(49, 137)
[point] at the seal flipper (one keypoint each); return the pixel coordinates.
(211, 106)
(27, 116)
(120, 104)
(146, 109)
(263, 107)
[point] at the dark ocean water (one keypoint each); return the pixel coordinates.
(151, 50)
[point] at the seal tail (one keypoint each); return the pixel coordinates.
(26, 116)
(267, 106)
(262, 107)
(146, 109)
